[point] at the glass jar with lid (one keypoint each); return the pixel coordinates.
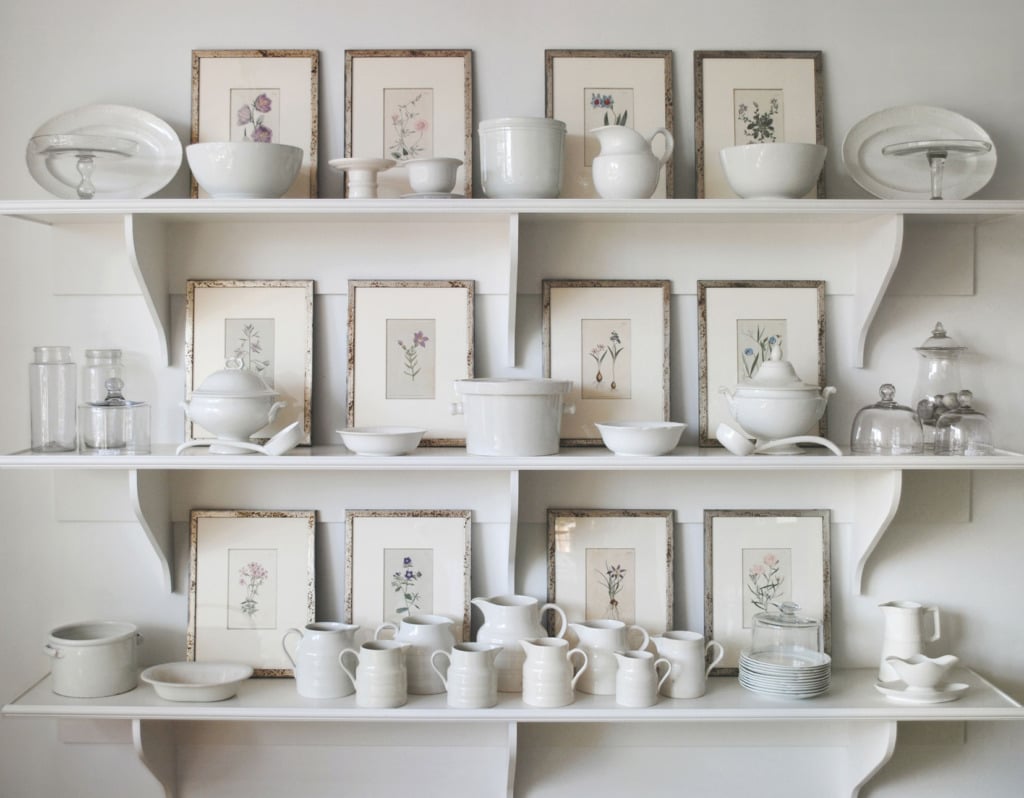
(100, 366)
(782, 630)
(115, 425)
(938, 376)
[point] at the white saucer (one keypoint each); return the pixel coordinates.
(373, 164)
(908, 177)
(433, 195)
(898, 691)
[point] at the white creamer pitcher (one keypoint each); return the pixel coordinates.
(507, 620)
(638, 679)
(905, 633)
(380, 676)
(600, 639)
(471, 680)
(548, 679)
(318, 673)
(425, 634)
(626, 167)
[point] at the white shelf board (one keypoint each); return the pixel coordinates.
(851, 697)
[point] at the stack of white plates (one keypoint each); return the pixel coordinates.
(794, 673)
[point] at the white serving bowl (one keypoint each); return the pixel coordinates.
(919, 672)
(381, 441)
(432, 175)
(196, 681)
(774, 170)
(650, 438)
(244, 169)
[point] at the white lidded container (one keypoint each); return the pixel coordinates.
(521, 157)
(93, 659)
(508, 417)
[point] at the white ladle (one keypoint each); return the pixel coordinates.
(283, 441)
(740, 445)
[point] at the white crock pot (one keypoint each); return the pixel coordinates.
(93, 659)
(512, 417)
(521, 157)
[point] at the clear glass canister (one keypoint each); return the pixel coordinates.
(100, 366)
(115, 425)
(53, 396)
(938, 376)
(784, 631)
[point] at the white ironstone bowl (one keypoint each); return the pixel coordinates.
(244, 169)
(774, 170)
(640, 438)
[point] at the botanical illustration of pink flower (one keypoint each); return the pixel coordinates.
(251, 576)
(253, 114)
(262, 104)
(244, 115)
(764, 581)
(411, 357)
(262, 133)
(421, 125)
(408, 128)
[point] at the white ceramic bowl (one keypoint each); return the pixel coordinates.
(920, 672)
(775, 170)
(381, 441)
(651, 438)
(93, 659)
(521, 157)
(244, 169)
(432, 175)
(196, 681)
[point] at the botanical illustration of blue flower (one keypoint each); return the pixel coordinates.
(403, 582)
(607, 102)
(411, 366)
(254, 114)
(614, 349)
(761, 350)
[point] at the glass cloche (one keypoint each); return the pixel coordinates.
(783, 631)
(963, 430)
(887, 427)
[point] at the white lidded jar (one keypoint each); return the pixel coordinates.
(512, 417)
(521, 157)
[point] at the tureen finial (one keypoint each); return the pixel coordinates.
(776, 353)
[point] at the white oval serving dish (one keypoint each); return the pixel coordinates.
(381, 441)
(196, 681)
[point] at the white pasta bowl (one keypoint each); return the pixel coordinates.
(638, 438)
(196, 681)
(244, 169)
(774, 170)
(381, 441)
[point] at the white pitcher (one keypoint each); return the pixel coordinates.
(638, 680)
(548, 679)
(425, 634)
(380, 676)
(472, 679)
(626, 167)
(905, 633)
(600, 639)
(318, 673)
(687, 653)
(507, 620)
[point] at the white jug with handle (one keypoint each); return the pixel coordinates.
(471, 679)
(507, 620)
(548, 680)
(425, 634)
(626, 167)
(638, 679)
(905, 633)
(600, 639)
(318, 673)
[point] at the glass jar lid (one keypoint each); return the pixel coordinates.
(939, 344)
(115, 395)
(886, 427)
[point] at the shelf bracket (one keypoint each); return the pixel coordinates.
(513, 530)
(876, 260)
(878, 499)
(876, 746)
(151, 503)
(513, 285)
(145, 240)
(513, 748)
(156, 748)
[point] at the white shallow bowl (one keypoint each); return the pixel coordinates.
(244, 169)
(381, 441)
(432, 175)
(196, 681)
(775, 170)
(650, 438)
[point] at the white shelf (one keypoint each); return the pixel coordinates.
(851, 697)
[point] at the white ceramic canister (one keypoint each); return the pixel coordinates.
(521, 157)
(380, 675)
(638, 679)
(318, 673)
(687, 654)
(512, 417)
(472, 678)
(93, 659)
(425, 634)
(600, 639)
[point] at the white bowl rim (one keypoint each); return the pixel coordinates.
(380, 431)
(236, 672)
(640, 425)
(206, 145)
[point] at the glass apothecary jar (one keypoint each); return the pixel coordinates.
(938, 376)
(115, 425)
(100, 366)
(53, 399)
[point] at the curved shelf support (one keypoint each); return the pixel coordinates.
(151, 503)
(876, 259)
(145, 239)
(877, 743)
(513, 747)
(156, 748)
(513, 285)
(878, 499)
(513, 530)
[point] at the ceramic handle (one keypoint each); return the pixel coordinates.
(800, 439)
(50, 651)
(934, 612)
(382, 627)
(670, 144)
(274, 410)
(646, 637)
(583, 667)
(437, 670)
(287, 653)
(341, 661)
(715, 659)
(561, 614)
(668, 670)
(456, 408)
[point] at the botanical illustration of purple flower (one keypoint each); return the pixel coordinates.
(764, 581)
(248, 349)
(607, 102)
(251, 576)
(759, 125)
(253, 114)
(411, 367)
(403, 582)
(408, 130)
(611, 579)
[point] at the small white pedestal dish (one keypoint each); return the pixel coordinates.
(774, 170)
(196, 681)
(432, 176)
(640, 438)
(244, 169)
(381, 441)
(361, 174)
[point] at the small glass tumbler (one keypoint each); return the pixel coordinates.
(53, 395)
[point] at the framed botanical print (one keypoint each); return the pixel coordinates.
(251, 579)
(263, 326)
(591, 88)
(755, 560)
(753, 97)
(406, 104)
(611, 339)
(408, 341)
(261, 96)
(407, 562)
(738, 323)
(612, 564)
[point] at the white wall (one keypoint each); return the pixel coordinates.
(877, 53)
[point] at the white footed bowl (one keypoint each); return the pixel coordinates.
(244, 169)
(432, 175)
(639, 438)
(775, 170)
